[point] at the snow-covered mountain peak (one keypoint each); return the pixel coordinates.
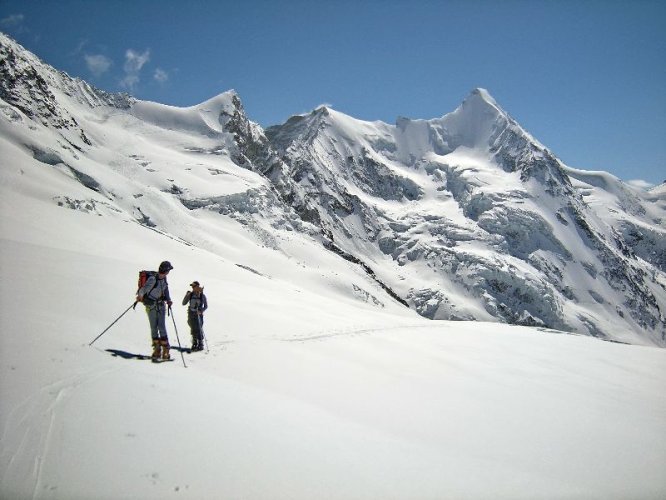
(9, 45)
(475, 123)
(483, 94)
(659, 190)
(324, 116)
(46, 95)
(658, 194)
(308, 126)
(479, 123)
(479, 105)
(209, 118)
(227, 102)
(322, 110)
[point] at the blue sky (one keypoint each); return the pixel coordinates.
(586, 78)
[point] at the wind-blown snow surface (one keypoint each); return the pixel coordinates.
(317, 384)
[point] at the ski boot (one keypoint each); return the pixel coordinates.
(165, 350)
(156, 350)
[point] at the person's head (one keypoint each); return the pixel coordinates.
(196, 286)
(165, 267)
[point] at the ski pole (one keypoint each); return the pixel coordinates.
(116, 321)
(201, 330)
(180, 348)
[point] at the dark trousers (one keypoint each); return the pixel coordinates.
(195, 321)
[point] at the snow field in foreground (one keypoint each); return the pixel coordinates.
(305, 393)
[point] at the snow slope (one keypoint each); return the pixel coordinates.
(305, 393)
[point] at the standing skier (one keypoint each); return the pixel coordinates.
(153, 295)
(197, 304)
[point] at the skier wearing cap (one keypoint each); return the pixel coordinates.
(153, 295)
(196, 305)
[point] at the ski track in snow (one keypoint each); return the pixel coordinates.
(352, 332)
(41, 408)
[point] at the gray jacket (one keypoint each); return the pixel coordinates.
(155, 290)
(197, 302)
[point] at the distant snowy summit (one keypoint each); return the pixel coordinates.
(462, 217)
(208, 118)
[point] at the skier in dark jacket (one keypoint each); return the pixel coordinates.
(196, 305)
(153, 295)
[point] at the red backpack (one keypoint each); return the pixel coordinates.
(143, 277)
